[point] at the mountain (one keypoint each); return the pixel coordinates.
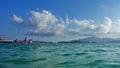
(92, 40)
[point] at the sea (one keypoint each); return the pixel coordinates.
(59, 55)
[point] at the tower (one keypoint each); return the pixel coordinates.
(25, 40)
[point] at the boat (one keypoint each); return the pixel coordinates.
(30, 41)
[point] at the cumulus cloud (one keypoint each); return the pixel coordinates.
(88, 28)
(46, 24)
(106, 25)
(17, 19)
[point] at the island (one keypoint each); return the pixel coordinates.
(93, 40)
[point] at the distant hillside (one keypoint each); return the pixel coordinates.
(92, 40)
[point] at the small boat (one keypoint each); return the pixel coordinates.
(30, 41)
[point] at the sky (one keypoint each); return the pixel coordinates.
(59, 20)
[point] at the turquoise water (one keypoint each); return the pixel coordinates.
(60, 55)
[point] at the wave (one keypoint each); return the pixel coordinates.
(24, 61)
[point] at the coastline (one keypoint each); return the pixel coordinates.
(6, 41)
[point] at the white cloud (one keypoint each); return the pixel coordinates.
(118, 20)
(104, 27)
(17, 19)
(116, 26)
(46, 24)
(88, 28)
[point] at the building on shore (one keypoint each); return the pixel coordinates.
(1, 38)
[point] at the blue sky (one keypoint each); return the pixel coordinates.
(56, 20)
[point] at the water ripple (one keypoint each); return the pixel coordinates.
(66, 64)
(67, 55)
(80, 54)
(24, 61)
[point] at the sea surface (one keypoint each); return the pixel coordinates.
(60, 55)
